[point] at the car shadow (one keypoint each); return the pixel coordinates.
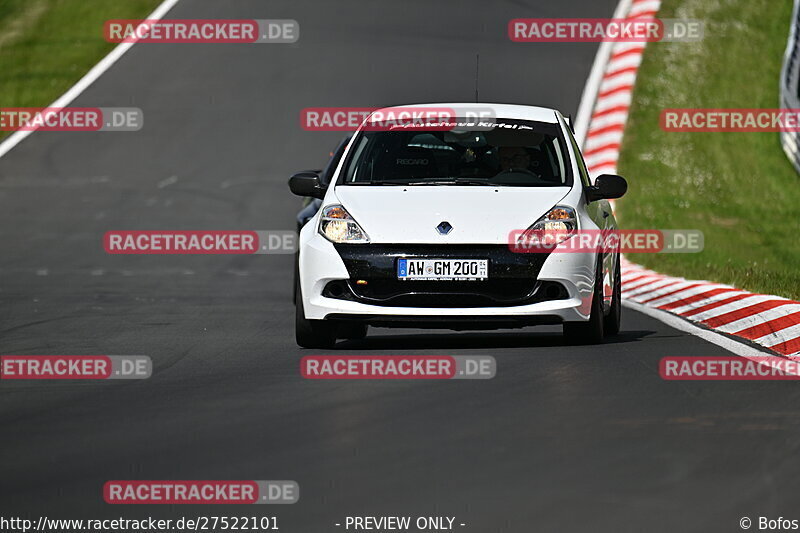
(378, 340)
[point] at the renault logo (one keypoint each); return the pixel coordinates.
(444, 227)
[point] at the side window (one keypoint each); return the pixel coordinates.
(336, 156)
(353, 172)
(581, 164)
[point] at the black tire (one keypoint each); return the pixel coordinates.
(296, 276)
(591, 331)
(311, 333)
(352, 332)
(612, 322)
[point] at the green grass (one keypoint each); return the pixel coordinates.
(48, 45)
(738, 188)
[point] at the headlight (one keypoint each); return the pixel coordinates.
(558, 225)
(337, 225)
(559, 218)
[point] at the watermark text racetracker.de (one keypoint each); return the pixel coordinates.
(730, 120)
(27, 367)
(585, 30)
(71, 118)
(398, 367)
(430, 118)
(605, 241)
(170, 492)
(150, 242)
(271, 31)
(729, 368)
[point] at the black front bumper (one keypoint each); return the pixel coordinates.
(512, 277)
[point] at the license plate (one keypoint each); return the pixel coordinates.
(442, 269)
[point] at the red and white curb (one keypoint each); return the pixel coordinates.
(770, 321)
(613, 96)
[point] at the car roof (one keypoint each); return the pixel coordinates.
(511, 111)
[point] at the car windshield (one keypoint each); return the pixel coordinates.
(501, 153)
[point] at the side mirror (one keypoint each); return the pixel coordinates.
(307, 183)
(608, 187)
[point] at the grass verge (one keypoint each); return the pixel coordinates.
(738, 188)
(48, 45)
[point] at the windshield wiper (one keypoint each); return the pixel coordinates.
(378, 182)
(446, 181)
(472, 181)
(454, 181)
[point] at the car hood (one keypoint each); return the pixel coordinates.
(477, 214)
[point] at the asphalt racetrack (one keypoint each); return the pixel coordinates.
(564, 438)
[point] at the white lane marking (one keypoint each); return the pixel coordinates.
(596, 141)
(609, 119)
(620, 99)
(706, 301)
(87, 80)
(633, 286)
(647, 287)
(628, 78)
(734, 306)
(641, 7)
(596, 162)
(681, 324)
(606, 168)
(779, 337)
(597, 158)
(167, 182)
(677, 297)
(764, 317)
(625, 62)
(683, 285)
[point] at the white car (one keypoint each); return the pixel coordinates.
(414, 230)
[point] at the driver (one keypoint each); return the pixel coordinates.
(514, 157)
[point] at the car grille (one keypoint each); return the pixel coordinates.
(512, 278)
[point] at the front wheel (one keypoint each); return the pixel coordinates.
(352, 332)
(311, 333)
(591, 331)
(612, 322)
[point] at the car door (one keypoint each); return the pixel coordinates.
(602, 215)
